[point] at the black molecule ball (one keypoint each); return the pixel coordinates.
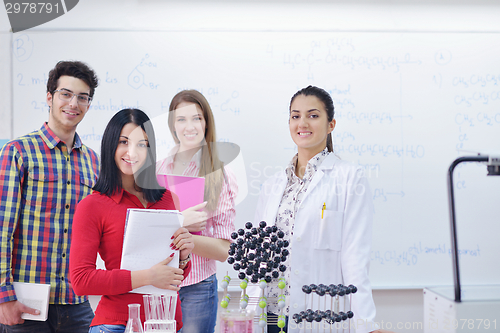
(332, 291)
(306, 289)
(320, 291)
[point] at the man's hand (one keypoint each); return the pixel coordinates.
(10, 312)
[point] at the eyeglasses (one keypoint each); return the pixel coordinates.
(65, 95)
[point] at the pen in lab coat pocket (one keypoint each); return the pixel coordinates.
(323, 209)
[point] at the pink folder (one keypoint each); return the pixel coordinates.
(190, 190)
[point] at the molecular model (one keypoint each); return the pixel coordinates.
(333, 314)
(258, 255)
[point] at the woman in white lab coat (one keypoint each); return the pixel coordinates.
(324, 206)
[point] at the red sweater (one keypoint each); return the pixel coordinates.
(98, 227)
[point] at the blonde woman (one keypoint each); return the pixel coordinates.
(192, 126)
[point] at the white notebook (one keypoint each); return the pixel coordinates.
(34, 295)
(147, 242)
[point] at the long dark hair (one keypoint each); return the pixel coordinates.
(211, 167)
(327, 101)
(110, 181)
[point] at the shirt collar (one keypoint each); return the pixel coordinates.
(312, 164)
(121, 194)
(48, 136)
(117, 196)
(78, 142)
(52, 140)
(171, 155)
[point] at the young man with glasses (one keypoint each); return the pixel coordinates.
(43, 176)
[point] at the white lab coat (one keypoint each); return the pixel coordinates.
(335, 249)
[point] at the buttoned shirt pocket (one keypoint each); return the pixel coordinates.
(41, 188)
(87, 181)
(41, 174)
(328, 231)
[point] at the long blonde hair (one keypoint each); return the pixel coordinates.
(211, 167)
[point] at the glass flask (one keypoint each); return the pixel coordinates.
(134, 319)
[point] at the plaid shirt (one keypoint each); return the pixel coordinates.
(40, 185)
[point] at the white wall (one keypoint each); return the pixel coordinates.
(395, 306)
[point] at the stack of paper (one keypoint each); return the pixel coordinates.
(33, 295)
(147, 240)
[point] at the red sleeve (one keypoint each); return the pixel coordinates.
(176, 201)
(87, 235)
(187, 269)
(178, 311)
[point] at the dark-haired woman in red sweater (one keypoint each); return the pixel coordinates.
(127, 180)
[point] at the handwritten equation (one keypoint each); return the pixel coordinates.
(417, 252)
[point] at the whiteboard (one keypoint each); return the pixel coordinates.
(406, 104)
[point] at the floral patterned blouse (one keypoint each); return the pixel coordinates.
(291, 200)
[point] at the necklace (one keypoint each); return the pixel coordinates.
(179, 160)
